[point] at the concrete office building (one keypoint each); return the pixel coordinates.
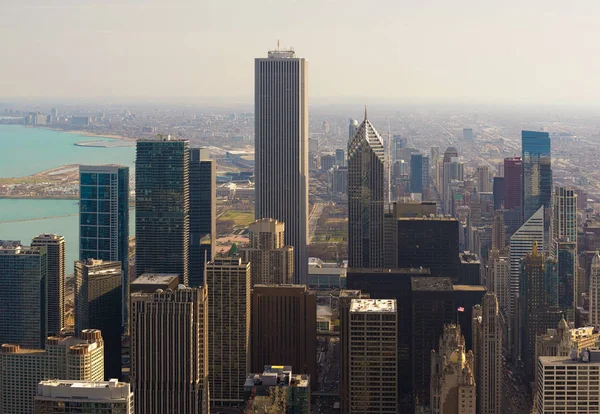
(284, 328)
(513, 172)
(83, 397)
(453, 388)
(71, 358)
(169, 375)
(568, 385)
(23, 304)
(487, 347)
(501, 281)
(203, 213)
(162, 206)
(281, 153)
(55, 246)
(564, 222)
(278, 390)
(482, 175)
(373, 356)
(595, 291)
(229, 300)
(272, 261)
(104, 219)
(98, 293)
(366, 184)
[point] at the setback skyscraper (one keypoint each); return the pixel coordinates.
(162, 207)
(104, 218)
(366, 161)
(281, 148)
(56, 279)
(203, 217)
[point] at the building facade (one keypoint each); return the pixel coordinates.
(281, 148)
(277, 390)
(595, 291)
(162, 207)
(513, 172)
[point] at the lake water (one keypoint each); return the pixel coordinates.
(24, 151)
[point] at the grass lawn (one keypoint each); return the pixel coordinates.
(241, 218)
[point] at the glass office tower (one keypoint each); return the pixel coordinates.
(537, 173)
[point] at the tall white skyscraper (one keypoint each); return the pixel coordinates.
(521, 243)
(281, 148)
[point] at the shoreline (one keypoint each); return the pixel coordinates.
(44, 197)
(90, 134)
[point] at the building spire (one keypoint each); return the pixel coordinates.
(365, 112)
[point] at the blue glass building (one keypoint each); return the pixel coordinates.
(416, 173)
(104, 217)
(537, 175)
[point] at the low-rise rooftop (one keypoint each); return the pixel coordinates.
(373, 305)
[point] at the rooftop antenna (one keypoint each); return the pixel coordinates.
(278, 45)
(389, 165)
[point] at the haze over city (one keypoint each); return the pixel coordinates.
(463, 51)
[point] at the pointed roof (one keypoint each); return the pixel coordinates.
(366, 132)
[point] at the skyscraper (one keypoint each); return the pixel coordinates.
(169, 355)
(98, 293)
(487, 347)
(373, 336)
(203, 217)
(23, 314)
(595, 292)
(104, 218)
(416, 173)
(537, 178)
(366, 160)
(564, 222)
(162, 207)
(272, 261)
(483, 179)
(284, 328)
(281, 148)
(521, 243)
(566, 260)
(513, 172)
(229, 301)
(55, 246)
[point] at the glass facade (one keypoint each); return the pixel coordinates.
(416, 173)
(537, 174)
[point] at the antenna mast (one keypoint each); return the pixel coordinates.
(389, 164)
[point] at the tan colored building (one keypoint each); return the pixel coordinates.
(64, 357)
(487, 349)
(56, 280)
(284, 330)
(452, 375)
(229, 288)
(272, 261)
(373, 356)
(169, 350)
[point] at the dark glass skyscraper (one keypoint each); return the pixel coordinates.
(416, 173)
(537, 175)
(104, 218)
(162, 207)
(202, 213)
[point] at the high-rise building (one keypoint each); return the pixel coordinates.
(487, 347)
(169, 355)
(483, 179)
(595, 291)
(284, 328)
(23, 308)
(498, 192)
(564, 223)
(567, 269)
(468, 134)
(353, 127)
(98, 306)
(373, 356)
(452, 170)
(84, 397)
(69, 358)
(277, 390)
(513, 175)
(453, 388)
(521, 243)
(340, 157)
(498, 231)
(203, 216)
(536, 186)
(281, 162)
(568, 385)
(339, 181)
(104, 218)
(55, 246)
(162, 207)
(272, 261)
(327, 162)
(501, 281)
(229, 300)
(416, 173)
(366, 160)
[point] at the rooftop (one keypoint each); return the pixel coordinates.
(156, 278)
(373, 305)
(111, 390)
(428, 284)
(470, 288)
(401, 271)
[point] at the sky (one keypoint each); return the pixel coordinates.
(507, 51)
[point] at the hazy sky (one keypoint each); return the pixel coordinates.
(406, 50)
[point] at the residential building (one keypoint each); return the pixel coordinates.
(170, 375)
(56, 274)
(162, 206)
(97, 295)
(83, 397)
(277, 390)
(281, 154)
(229, 301)
(366, 184)
(272, 261)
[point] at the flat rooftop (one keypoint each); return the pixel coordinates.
(470, 288)
(155, 278)
(562, 360)
(401, 271)
(373, 305)
(431, 284)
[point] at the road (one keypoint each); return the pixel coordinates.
(515, 398)
(313, 218)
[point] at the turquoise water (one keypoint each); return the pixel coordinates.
(25, 151)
